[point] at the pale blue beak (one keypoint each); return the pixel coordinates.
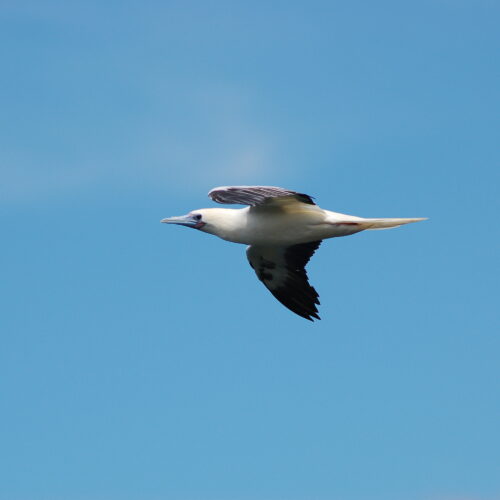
(188, 220)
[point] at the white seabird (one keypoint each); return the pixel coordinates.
(283, 230)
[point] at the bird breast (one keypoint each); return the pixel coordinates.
(280, 228)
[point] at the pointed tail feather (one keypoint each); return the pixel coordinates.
(388, 223)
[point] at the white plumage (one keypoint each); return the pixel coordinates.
(283, 230)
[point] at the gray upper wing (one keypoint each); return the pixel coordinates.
(282, 270)
(254, 195)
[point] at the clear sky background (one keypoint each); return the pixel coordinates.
(140, 361)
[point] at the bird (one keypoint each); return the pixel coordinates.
(282, 229)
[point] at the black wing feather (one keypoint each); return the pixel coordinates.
(283, 272)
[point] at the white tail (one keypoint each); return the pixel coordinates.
(387, 223)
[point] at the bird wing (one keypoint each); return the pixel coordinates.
(282, 270)
(255, 195)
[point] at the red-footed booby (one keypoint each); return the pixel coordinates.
(283, 230)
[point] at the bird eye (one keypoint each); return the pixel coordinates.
(197, 217)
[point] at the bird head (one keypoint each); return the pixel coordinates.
(218, 221)
(193, 219)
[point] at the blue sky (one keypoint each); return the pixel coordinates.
(141, 361)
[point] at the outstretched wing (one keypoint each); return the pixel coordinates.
(282, 270)
(254, 195)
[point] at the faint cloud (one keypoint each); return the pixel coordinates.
(223, 142)
(200, 137)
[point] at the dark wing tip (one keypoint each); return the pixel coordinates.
(292, 287)
(305, 198)
(298, 295)
(300, 301)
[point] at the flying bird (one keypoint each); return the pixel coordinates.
(283, 229)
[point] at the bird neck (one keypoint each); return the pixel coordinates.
(226, 223)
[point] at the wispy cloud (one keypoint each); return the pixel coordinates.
(222, 142)
(199, 137)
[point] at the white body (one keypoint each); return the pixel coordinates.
(286, 225)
